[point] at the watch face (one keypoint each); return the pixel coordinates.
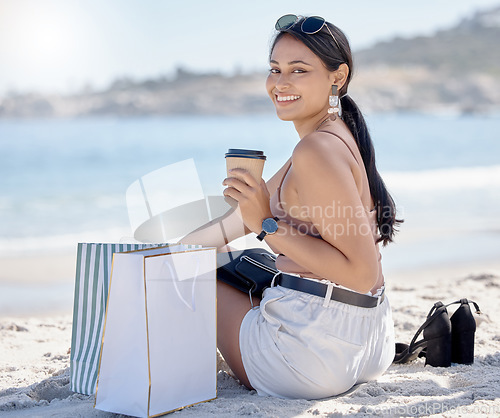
(270, 226)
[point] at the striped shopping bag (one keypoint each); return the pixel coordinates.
(93, 268)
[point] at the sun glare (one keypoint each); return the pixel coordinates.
(37, 35)
(49, 38)
(54, 41)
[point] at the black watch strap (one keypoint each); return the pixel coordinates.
(261, 236)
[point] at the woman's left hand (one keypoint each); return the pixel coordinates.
(252, 196)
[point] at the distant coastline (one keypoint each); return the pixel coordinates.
(454, 70)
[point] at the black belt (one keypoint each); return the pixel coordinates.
(319, 289)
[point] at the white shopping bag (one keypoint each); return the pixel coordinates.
(159, 349)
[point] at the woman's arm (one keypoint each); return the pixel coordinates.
(218, 232)
(228, 227)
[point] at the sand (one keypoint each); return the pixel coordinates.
(50, 267)
(34, 364)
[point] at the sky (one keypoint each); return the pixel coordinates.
(65, 45)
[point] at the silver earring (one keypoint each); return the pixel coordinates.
(334, 102)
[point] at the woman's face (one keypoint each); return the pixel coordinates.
(298, 83)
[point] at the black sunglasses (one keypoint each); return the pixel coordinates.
(310, 25)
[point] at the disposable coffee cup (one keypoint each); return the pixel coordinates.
(250, 160)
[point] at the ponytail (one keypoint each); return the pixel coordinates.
(384, 204)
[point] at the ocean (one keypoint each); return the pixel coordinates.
(65, 181)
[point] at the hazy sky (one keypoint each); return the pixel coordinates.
(60, 45)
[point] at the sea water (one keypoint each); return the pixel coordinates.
(64, 181)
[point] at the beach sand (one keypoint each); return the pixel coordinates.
(34, 363)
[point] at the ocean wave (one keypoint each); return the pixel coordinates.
(485, 177)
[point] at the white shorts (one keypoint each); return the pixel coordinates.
(293, 347)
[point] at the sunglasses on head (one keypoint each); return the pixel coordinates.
(310, 25)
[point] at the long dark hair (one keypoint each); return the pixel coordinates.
(333, 53)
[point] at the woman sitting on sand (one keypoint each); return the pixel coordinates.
(326, 211)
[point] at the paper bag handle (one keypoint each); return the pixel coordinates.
(191, 306)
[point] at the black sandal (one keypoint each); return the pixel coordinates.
(463, 328)
(436, 340)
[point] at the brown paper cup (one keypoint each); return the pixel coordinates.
(253, 161)
(253, 165)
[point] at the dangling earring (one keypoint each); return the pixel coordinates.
(334, 102)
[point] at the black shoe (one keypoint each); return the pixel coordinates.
(436, 340)
(463, 328)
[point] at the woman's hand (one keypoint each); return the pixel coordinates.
(252, 196)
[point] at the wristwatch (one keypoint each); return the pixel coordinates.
(269, 227)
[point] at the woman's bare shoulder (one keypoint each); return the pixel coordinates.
(322, 147)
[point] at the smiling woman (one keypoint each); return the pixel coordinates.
(325, 322)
